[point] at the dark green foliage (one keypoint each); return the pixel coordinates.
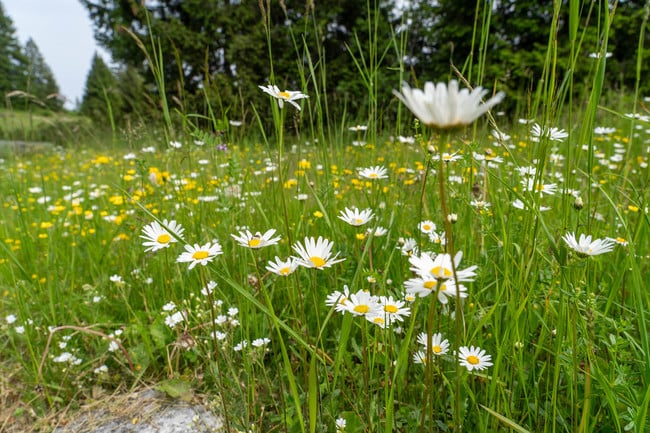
(102, 98)
(217, 52)
(39, 78)
(25, 78)
(221, 47)
(12, 58)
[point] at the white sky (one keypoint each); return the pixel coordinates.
(63, 33)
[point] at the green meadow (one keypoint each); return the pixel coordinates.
(421, 276)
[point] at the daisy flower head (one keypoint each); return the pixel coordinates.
(199, 254)
(338, 299)
(474, 358)
(440, 267)
(363, 304)
(420, 357)
(316, 253)
(439, 346)
(584, 246)
(427, 227)
(247, 239)
(377, 231)
(392, 310)
(423, 286)
(530, 185)
(539, 132)
(603, 130)
(284, 96)
(158, 236)
(408, 247)
(355, 217)
(444, 106)
(281, 267)
(376, 172)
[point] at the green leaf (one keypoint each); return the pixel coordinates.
(176, 388)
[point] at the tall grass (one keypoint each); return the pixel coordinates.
(566, 334)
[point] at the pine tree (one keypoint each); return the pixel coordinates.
(12, 59)
(102, 97)
(40, 80)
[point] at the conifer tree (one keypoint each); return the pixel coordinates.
(101, 99)
(12, 58)
(39, 79)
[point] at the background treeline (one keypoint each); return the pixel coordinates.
(210, 56)
(26, 81)
(217, 52)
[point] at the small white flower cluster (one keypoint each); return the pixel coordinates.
(66, 357)
(258, 342)
(113, 345)
(172, 316)
(11, 319)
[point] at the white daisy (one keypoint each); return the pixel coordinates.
(474, 358)
(284, 96)
(338, 299)
(158, 236)
(316, 253)
(586, 247)
(439, 346)
(376, 172)
(355, 217)
(529, 184)
(551, 133)
(440, 267)
(423, 286)
(391, 310)
(257, 240)
(199, 254)
(282, 267)
(445, 106)
(427, 227)
(363, 304)
(377, 231)
(602, 130)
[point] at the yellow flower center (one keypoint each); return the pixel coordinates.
(200, 255)
(430, 284)
(378, 321)
(285, 271)
(372, 175)
(426, 227)
(254, 242)
(392, 309)
(317, 261)
(358, 221)
(473, 359)
(441, 272)
(284, 95)
(436, 349)
(164, 238)
(363, 309)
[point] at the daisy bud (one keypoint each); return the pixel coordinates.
(578, 203)
(431, 148)
(452, 218)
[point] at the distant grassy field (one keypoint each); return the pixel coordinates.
(58, 128)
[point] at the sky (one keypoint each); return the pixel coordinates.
(63, 33)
